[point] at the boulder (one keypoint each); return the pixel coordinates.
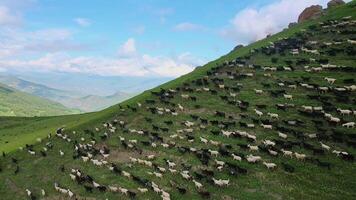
(334, 3)
(311, 12)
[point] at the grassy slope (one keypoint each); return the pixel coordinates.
(16, 103)
(85, 119)
(309, 182)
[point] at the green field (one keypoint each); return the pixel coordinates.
(322, 175)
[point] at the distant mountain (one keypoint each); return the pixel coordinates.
(71, 99)
(17, 103)
(94, 103)
(89, 83)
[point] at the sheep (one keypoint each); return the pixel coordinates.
(226, 133)
(218, 162)
(197, 184)
(287, 153)
(123, 190)
(334, 119)
(29, 193)
(70, 193)
(185, 175)
(221, 182)
(266, 126)
(282, 135)
(215, 143)
(269, 143)
(273, 115)
(259, 113)
(308, 108)
(126, 174)
(351, 41)
(349, 124)
(258, 91)
(253, 159)
(330, 80)
(113, 189)
(236, 157)
(299, 156)
(270, 165)
(185, 96)
(142, 190)
(180, 107)
(213, 153)
(250, 126)
(344, 111)
(170, 164)
(324, 146)
(273, 153)
(288, 96)
(158, 175)
(252, 148)
(61, 153)
(32, 152)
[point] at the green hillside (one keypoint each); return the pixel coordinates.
(16, 103)
(264, 100)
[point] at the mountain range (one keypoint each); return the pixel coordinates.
(70, 99)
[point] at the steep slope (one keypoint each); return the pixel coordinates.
(16, 103)
(202, 124)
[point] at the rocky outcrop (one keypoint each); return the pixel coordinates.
(334, 3)
(311, 12)
(290, 25)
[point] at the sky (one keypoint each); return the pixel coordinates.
(133, 38)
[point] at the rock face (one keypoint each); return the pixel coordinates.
(311, 12)
(292, 24)
(334, 3)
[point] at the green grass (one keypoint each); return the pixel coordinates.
(309, 181)
(16, 103)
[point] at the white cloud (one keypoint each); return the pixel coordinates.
(253, 24)
(187, 26)
(132, 64)
(128, 48)
(9, 17)
(83, 22)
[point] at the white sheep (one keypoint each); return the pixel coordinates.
(213, 153)
(300, 156)
(330, 80)
(287, 153)
(259, 113)
(258, 91)
(324, 146)
(270, 165)
(236, 157)
(273, 115)
(349, 125)
(197, 184)
(266, 126)
(252, 148)
(288, 96)
(282, 135)
(142, 190)
(344, 111)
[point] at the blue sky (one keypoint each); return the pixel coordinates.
(158, 38)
